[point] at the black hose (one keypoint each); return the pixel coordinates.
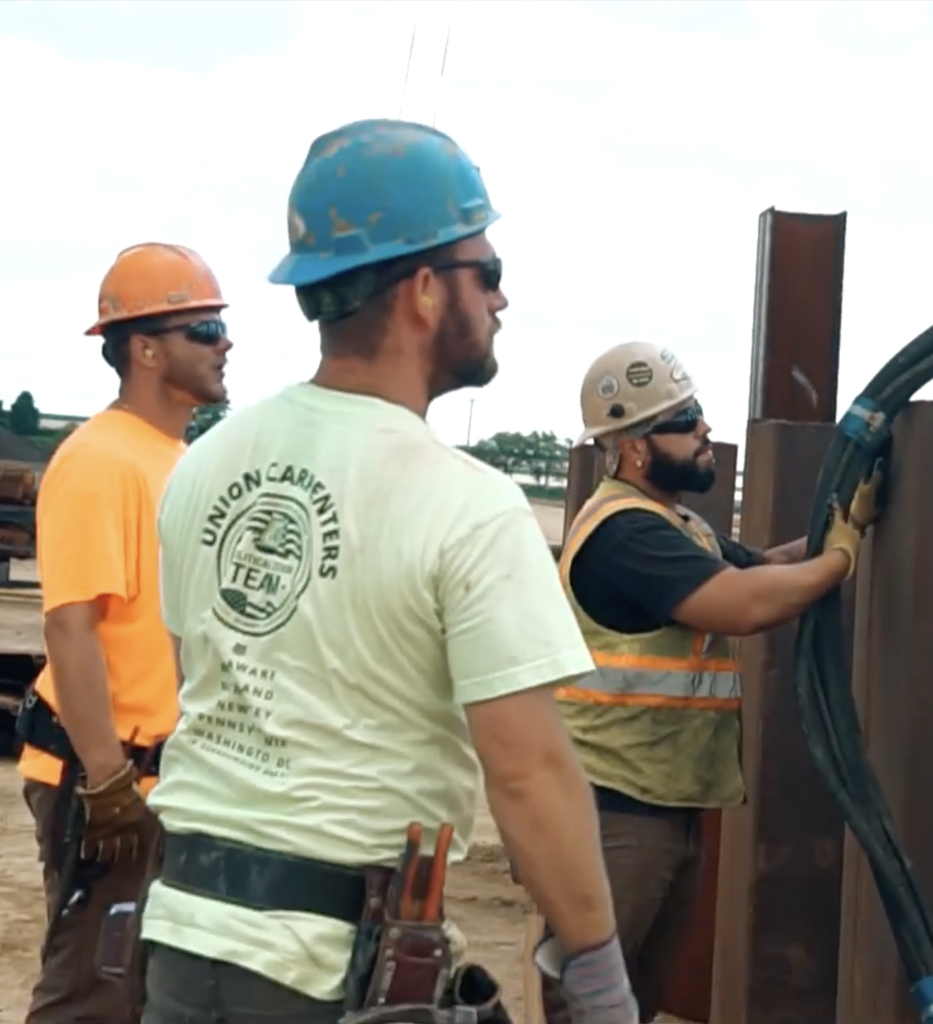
(824, 691)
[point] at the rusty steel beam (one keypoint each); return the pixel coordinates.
(797, 317)
(689, 992)
(776, 946)
(767, 848)
(891, 686)
(584, 472)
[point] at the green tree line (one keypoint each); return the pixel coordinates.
(23, 418)
(538, 461)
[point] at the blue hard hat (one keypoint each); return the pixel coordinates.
(378, 190)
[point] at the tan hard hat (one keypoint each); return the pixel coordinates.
(630, 384)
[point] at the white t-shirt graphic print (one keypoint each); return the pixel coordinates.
(343, 584)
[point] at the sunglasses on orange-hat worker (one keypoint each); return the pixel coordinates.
(201, 332)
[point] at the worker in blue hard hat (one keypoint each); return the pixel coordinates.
(360, 610)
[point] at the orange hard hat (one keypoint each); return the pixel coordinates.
(153, 279)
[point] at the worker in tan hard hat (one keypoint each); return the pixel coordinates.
(94, 722)
(659, 597)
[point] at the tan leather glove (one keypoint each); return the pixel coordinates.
(843, 536)
(868, 501)
(117, 824)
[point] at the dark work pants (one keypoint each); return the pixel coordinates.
(69, 989)
(185, 989)
(653, 863)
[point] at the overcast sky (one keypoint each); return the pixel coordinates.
(630, 147)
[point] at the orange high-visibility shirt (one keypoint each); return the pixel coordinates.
(96, 538)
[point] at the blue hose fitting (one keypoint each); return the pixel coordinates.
(922, 994)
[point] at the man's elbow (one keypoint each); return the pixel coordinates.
(519, 740)
(744, 618)
(68, 622)
(745, 623)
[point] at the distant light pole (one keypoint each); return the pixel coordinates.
(470, 423)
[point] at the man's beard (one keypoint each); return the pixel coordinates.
(458, 356)
(674, 476)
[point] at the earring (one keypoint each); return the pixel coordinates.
(147, 352)
(639, 463)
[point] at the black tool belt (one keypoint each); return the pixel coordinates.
(247, 876)
(38, 726)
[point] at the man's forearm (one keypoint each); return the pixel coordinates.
(787, 554)
(80, 674)
(550, 828)
(775, 599)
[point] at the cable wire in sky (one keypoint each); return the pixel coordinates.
(411, 50)
(440, 82)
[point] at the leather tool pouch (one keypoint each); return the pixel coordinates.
(413, 965)
(402, 971)
(394, 961)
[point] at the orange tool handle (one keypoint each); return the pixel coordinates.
(435, 894)
(409, 871)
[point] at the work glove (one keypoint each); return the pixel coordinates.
(595, 984)
(843, 536)
(870, 496)
(117, 824)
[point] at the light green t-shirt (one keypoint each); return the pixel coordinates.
(343, 584)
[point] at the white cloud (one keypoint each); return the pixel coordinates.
(630, 150)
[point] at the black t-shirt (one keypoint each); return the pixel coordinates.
(630, 574)
(635, 568)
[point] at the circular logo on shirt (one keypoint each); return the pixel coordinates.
(264, 564)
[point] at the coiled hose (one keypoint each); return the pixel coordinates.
(824, 691)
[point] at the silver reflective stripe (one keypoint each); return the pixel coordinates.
(652, 683)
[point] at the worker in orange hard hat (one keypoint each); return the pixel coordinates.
(94, 722)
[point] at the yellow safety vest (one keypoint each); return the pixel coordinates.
(659, 719)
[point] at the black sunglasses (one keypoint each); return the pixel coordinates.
(683, 422)
(201, 332)
(490, 270)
